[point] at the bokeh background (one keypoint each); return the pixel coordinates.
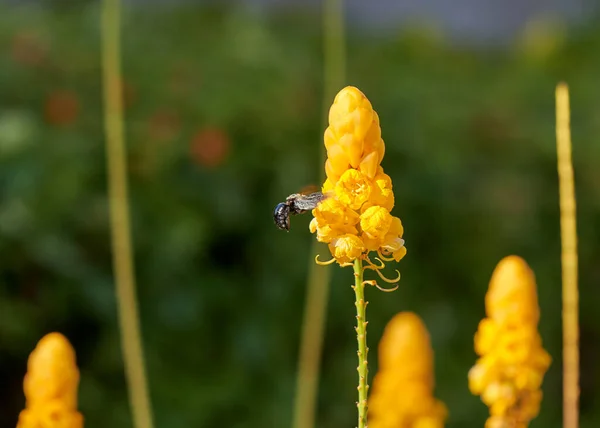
(224, 119)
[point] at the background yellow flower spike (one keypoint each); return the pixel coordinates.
(512, 364)
(50, 386)
(402, 395)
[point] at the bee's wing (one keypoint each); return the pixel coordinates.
(309, 202)
(307, 190)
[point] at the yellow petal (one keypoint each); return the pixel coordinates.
(368, 165)
(353, 189)
(338, 159)
(329, 138)
(346, 248)
(330, 171)
(375, 222)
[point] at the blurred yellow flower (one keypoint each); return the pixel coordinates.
(50, 386)
(509, 373)
(402, 395)
(361, 193)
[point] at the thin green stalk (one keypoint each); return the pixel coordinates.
(334, 52)
(361, 337)
(119, 216)
(568, 234)
(317, 288)
(317, 293)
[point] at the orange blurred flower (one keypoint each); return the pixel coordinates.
(402, 395)
(129, 94)
(509, 373)
(164, 125)
(61, 108)
(28, 48)
(210, 147)
(50, 386)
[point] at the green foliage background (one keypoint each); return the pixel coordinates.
(469, 145)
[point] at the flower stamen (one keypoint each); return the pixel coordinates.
(328, 262)
(389, 281)
(387, 259)
(386, 290)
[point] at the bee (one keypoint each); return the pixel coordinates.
(297, 203)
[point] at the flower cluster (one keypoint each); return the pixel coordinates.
(50, 386)
(356, 219)
(509, 374)
(402, 394)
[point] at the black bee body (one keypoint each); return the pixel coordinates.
(293, 205)
(282, 216)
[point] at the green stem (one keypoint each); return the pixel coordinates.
(122, 251)
(361, 336)
(317, 291)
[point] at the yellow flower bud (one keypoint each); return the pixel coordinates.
(368, 166)
(346, 248)
(353, 189)
(351, 113)
(375, 222)
(50, 386)
(402, 394)
(512, 291)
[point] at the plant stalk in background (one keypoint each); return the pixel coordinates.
(355, 220)
(317, 287)
(119, 216)
(570, 293)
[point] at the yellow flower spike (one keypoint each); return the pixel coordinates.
(402, 395)
(509, 374)
(50, 386)
(355, 150)
(356, 219)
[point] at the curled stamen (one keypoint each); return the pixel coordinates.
(374, 284)
(346, 264)
(389, 281)
(328, 262)
(387, 259)
(386, 290)
(373, 265)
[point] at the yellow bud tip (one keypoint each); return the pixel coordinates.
(50, 385)
(512, 291)
(405, 364)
